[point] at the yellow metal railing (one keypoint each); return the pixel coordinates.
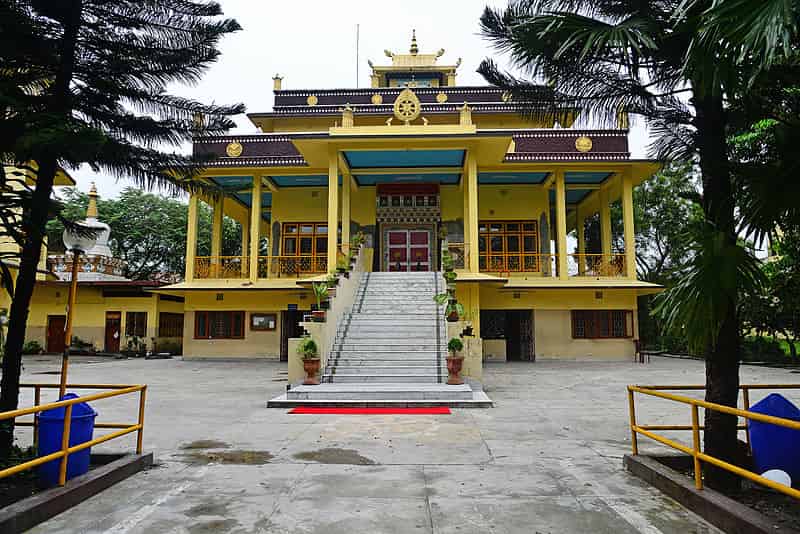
(291, 266)
(66, 450)
(221, 267)
(695, 450)
(460, 254)
(597, 265)
(511, 262)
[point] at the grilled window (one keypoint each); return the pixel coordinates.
(219, 324)
(602, 324)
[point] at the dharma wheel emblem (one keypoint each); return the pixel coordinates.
(407, 107)
(234, 149)
(583, 144)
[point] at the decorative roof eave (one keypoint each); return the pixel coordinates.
(478, 89)
(523, 157)
(387, 109)
(266, 161)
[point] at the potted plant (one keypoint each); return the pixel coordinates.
(307, 349)
(342, 265)
(450, 279)
(320, 294)
(454, 311)
(332, 281)
(455, 361)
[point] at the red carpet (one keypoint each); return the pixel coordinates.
(316, 410)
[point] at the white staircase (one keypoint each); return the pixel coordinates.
(394, 333)
(389, 350)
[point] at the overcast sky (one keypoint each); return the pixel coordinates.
(312, 44)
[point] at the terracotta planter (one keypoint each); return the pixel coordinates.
(454, 364)
(311, 367)
(318, 315)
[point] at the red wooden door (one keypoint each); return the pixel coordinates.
(56, 324)
(398, 250)
(419, 250)
(113, 331)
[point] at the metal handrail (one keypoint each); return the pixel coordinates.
(695, 450)
(293, 266)
(66, 449)
(221, 267)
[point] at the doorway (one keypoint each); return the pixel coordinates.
(515, 327)
(113, 331)
(290, 327)
(56, 326)
(408, 250)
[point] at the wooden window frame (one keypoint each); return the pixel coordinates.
(170, 330)
(210, 334)
(487, 234)
(297, 236)
(132, 324)
(592, 328)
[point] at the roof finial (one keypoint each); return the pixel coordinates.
(414, 47)
(91, 210)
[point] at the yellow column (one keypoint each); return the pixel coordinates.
(627, 222)
(561, 224)
(191, 237)
(255, 227)
(579, 228)
(472, 210)
(605, 225)
(245, 244)
(216, 229)
(345, 212)
(333, 205)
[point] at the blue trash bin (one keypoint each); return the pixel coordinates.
(51, 425)
(776, 447)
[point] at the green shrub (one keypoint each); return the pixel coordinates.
(32, 347)
(455, 345)
(307, 348)
(760, 349)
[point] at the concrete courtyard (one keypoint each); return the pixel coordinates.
(546, 459)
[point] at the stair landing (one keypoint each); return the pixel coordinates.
(383, 395)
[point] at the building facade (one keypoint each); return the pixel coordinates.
(411, 162)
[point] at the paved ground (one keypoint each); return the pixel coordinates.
(546, 459)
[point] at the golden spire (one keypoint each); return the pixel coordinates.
(414, 47)
(91, 210)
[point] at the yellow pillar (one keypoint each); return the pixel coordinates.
(561, 224)
(216, 228)
(471, 211)
(345, 212)
(245, 244)
(191, 237)
(627, 222)
(580, 222)
(605, 225)
(333, 205)
(255, 227)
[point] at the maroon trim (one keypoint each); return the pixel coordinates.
(408, 189)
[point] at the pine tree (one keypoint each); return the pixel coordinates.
(101, 70)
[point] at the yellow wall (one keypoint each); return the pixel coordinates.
(256, 344)
(90, 313)
(553, 339)
(503, 202)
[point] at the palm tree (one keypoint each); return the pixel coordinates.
(103, 70)
(658, 60)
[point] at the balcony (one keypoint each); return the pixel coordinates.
(238, 267)
(546, 265)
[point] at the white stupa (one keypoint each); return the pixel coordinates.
(99, 263)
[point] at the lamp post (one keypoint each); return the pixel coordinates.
(78, 242)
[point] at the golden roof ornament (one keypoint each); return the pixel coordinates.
(234, 149)
(91, 209)
(347, 116)
(583, 144)
(414, 48)
(407, 106)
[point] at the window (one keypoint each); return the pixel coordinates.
(506, 246)
(136, 324)
(602, 324)
(219, 324)
(170, 324)
(305, 239)
(263, 321)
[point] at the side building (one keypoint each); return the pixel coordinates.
(408, 161)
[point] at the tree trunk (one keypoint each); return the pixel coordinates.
(723, 353)
(34, 228)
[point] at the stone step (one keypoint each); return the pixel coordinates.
(387, 356)
(395, 370)
(342, 378)
(426, 332)
(381, 392)
(385, 345)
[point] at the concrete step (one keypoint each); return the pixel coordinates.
(426, 332)
(341, 378)
(393, 370)
(381, 392)
(401, 345)
(387, 356)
